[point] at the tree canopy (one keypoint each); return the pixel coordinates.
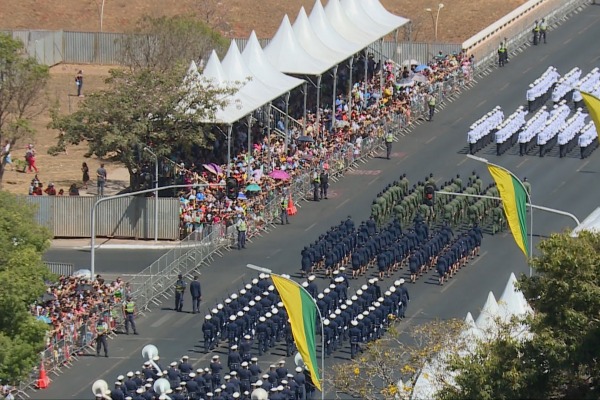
(23, 275)
(22, 84)
(142, 107)
(559, 358)
(162, 43)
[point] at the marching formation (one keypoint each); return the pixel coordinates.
(544, 130)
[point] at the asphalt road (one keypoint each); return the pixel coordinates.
(108, 261)
(437, 147)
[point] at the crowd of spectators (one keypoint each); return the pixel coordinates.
(359, 116)
(72, 305)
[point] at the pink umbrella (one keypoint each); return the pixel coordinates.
(280, 175)
(212, 167)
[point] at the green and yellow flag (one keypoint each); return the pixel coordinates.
(514, 201)
(593, 105)
(302, 312)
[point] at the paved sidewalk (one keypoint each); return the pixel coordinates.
(104, 243)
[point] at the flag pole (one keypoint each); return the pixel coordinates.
(530, 255)
(322, 375)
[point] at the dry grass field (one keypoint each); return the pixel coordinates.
(459, 19)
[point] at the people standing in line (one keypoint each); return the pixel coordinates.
(179, 293)
(284, 210)
(431, 103)
(389, 139)
(79, 83)
(543, 29)
(101, 332)
(86, 175)
(241, 227)
(196, 293)
(102, 177)
(324, 178)
(129, 310)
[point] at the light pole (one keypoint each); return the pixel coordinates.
(436, 19)
(119, 196)
(268, 271)
(155, 193)
(101, 15)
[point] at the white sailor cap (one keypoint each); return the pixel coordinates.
(354, 298)
(327, 291)
(311, 278)
(364, 287)
(332, 286)
(359, 292)
(354, 322)
(234, 296)
(268, 315)
(304, 284)
(130, 374)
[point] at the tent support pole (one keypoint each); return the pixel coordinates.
(229, 130)
(334, 94)
(287, 122)
(381, 62)
(366, 79)
(318, 118)
(351, 63)
(249, 123)
(397, 59)
(305, 90)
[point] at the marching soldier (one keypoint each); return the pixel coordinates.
(354, 339)
(179, 292)
(129, 314)
(101, 333)
(208, 329)
(234, 359)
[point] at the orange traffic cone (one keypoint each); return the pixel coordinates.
(292, 210)
(43, 381)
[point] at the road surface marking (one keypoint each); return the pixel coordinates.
(419, 311)
(504, 86)
(342, 203)
(310, 227)
(239, 278)
(482, 102)
(372, 182)
(567, 41)
(479, 258)
(522, 162)
(162, 320)
(583, 165)
(527, 70)
(447, 286)
(543, 58)
(559, 186)
(431, 140)
(462, 162)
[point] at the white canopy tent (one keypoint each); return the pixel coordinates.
(327, 33)
(263, 70)
(348, 28)
(377, 12)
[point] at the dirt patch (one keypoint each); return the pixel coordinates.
(459, 19)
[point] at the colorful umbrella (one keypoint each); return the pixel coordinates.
(44, 319)
(242, 196)
(253, 187)
(279, 175)
(421, 67)
(212, 167)
(306, 139)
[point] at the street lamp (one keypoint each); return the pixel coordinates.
(436, 19)
(155, 193)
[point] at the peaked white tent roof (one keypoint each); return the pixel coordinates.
(512, 302)
(286, 53)
(239, 104)
(327, 33)
(486, 319)
(263, 70)
(377, 12)
(591, 223)
(312, 43)
(346, 27)
(360, 16)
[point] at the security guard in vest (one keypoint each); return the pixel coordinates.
(431, 104)
(536, 33)
(241, 227)
(324, 183)
(179, 292)
(543, 29)
(129, 314)
(501, 55)
(316, 185)
(101, 333)
(389, 139)
(284, 210)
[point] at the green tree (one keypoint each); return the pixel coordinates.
(140, 108)
(22, 274)
(401, 353)
(22, 83)
(559, 358)
(162, 43)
